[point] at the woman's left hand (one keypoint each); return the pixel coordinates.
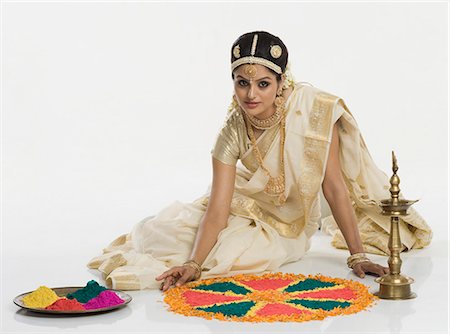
(360, 269)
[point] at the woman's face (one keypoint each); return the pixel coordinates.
(256, 95)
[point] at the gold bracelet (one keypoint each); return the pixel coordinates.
(356, 258)
(358, 261)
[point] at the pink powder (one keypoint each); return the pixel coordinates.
(280, 309)
(104, 299)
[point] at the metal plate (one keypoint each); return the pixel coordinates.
(63, 292)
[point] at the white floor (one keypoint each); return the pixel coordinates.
(428, 313)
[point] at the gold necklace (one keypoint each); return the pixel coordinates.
(265, 124)
(275, 185)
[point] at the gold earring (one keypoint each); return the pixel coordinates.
(234, 104)
(280, 90)
(279, 101)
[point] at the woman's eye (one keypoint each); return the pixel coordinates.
(263, 84)
(242, 83)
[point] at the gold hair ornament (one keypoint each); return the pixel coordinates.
(237, 51)
(256, 60)
(250, 71)
(276, 51)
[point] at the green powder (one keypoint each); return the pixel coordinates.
(236, 309)
(223, 287)
(91, 290)
(326, 305)
(309, 284)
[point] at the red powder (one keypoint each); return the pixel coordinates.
(64, 304)
(104, 299)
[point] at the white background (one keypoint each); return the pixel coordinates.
(110, 110)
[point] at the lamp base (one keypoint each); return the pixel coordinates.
(395, 286)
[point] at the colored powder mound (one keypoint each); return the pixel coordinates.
(91, 290)
(65, 304)
(104, 299)
(40, 298)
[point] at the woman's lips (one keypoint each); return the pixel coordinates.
(251, 105)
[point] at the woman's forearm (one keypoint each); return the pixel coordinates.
(336, 194)
(217, 213)
(344, 215)
(206, 237)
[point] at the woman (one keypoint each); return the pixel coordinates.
(291, 140)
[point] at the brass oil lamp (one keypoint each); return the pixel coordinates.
(395, 285)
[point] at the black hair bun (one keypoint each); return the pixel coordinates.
(268, 47)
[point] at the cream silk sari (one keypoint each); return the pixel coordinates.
(261, 235)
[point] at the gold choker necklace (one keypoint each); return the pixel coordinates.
(267, 123)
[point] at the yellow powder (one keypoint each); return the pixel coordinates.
(41, 297)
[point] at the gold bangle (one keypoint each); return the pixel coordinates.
(358, 261)
(356, 258)
(193, 262)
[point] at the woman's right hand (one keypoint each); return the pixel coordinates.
(177, 275)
